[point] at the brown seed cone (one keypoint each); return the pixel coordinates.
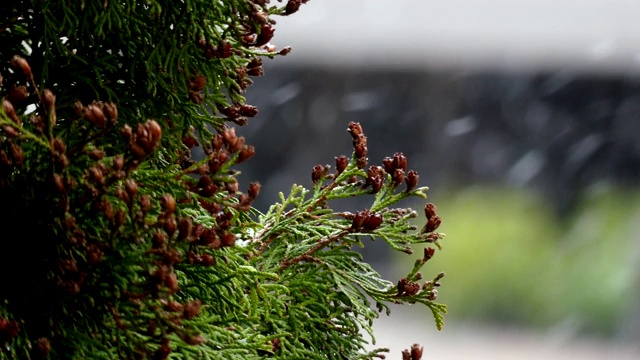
(18, 94)
(21, 64)
(94, 114)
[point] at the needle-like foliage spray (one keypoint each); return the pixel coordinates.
(116, 243)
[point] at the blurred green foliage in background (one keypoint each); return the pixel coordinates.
(510, 259)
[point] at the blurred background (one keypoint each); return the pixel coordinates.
(522, 116)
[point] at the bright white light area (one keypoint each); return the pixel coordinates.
(27, 48)
(30, 108)
(593, 35)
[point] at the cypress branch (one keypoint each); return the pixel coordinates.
(134, 249)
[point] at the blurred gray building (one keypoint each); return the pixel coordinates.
(544, 94)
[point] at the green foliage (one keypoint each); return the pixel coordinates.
(149, 57)
(522, 265)
(133, 248)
